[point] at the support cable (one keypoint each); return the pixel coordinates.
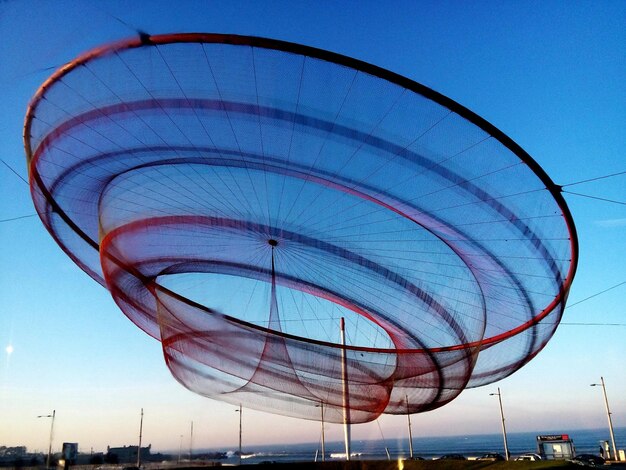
(17, 218)
(596, 294)
(594, 179)
(133, 28)
(384, 441)
(623, 203)
(14, 172)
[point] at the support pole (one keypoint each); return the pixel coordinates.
(408, 417)
(344, 383)
(140, 434)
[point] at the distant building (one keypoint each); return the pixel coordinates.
(128, 454)
(18, 457)
(92, 458)
(13, 452)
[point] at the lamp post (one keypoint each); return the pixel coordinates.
(240, 413)
(191, 442)
(344, 389)
(608, 415)
(321, 406)
(408, 416)
(180, 448)
(51, 431)
(506, 445)
(140, 436)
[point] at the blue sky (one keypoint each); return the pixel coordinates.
(548, 74)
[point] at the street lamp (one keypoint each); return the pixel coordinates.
(180, 448)
(506, 445)
(608, 415)
(191, 442)
(344, 389)
(321, 407)
(408, 416)
(51, 431)
(140, 436)
(240, 413)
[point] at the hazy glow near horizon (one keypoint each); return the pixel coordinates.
(550, 77)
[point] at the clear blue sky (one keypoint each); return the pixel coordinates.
(551, 75)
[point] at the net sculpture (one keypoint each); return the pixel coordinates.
(240, 196)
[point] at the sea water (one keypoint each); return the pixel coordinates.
(586, 441)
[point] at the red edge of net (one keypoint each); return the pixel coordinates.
(289, 47)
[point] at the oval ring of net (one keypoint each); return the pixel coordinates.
(238, 196)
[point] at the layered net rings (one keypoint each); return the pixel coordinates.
(238, 196)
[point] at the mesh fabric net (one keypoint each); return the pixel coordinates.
(239, 196)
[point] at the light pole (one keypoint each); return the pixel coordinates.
(408, 416)
(240, 413)
(191, 442)
(344, 389)
(51, 431)
(608, 415)
(506, 445)
(140, 436)
(180, 448)
(321, 406)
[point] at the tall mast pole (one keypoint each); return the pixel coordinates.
(408, 416)
(140, 434)
(344, 383)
